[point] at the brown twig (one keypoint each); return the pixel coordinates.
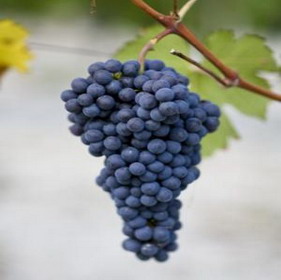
(150, 45)
(181, 30)
(176, 8)
(201, 67)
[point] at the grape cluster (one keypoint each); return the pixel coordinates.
(149, 127)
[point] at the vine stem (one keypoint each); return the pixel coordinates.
(201, 67)
(176, 8)
(150, 45)
(232, 78)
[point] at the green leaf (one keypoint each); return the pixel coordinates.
(219, 139)
(248, 55)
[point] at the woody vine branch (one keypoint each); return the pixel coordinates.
(173, 25)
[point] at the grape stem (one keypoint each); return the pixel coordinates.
(173, 26)
(150, 45)
(224, 82)
(176, 9)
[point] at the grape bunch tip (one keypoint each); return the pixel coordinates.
(149, 127)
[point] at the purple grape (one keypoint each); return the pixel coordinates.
(113, 65)
(103, 77)
(68, 94)
(148, 127)
(79, 85)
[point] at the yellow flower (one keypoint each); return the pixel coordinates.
(13, 50)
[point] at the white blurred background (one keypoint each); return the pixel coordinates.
(55, 223)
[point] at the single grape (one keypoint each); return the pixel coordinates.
(130, 154)
(160, 216)
(211, 109)
(125, 115)
(143, 135)
(164, 195)
(79, 85)
(114, 162)
(96, 90)
(127, 94)
(122, 129)
(152, 125)
(140, 80)
(150, 188)
(157, 65)
(76, 129)
(166, 173)
(169, 108)
(165, 157)
(211, 123)
(147, 101)
(148, 201)
(153, 75)
(137, 169)
(164, 95)
(131, 68)
(127, 82)
(161, 234)
(147, 86)
(149, 250)
(161, 256)
(156, 167)
(112, 143)
(144, 233)
(73, 106)
(143, 113)
(156, 146)
(68, 94)
(156, 115)
(135, 124)
(103, 77)
(105, 102)
(178, 134)
(193, 125)
(96, 149)
(121, 193)
(94, 135)
(133, 201)
(113, 65)
(85, 99)
(160, 84)
(127, 213)
(132, 245)
(109, 129)
(173, 147)
(95, 67)
(146, 157)
(114, 87)
(180, 172)
(137, 222)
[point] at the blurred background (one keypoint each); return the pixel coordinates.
(205, 15)
(55, 223)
